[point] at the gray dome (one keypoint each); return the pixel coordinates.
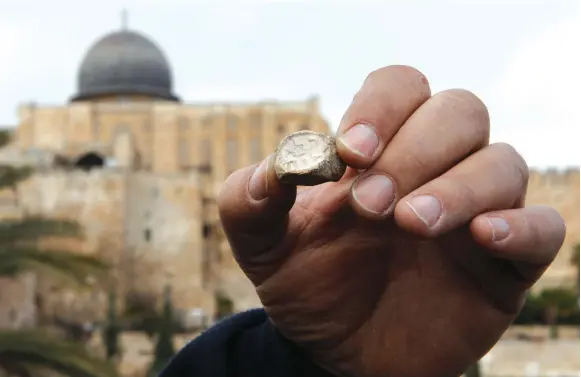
(125, 63)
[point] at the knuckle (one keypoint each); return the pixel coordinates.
(505, 147)
(508, 157)
(374, 76)
(388, 96)
(552, 215)
(554, 238)
(468, 112)
(509, 154)
(403, 72)
(469, 103)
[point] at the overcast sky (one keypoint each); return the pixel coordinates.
(521, 58)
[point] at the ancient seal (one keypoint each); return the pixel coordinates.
(308, 158)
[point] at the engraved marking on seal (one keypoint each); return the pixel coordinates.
(308, 158)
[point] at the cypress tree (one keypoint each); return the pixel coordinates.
(112, 329)
(164, 349)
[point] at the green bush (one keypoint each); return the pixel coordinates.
(570, 319)
(164, 349)
(141, 313)
(224, 306)
(562, 301)
(531, 313)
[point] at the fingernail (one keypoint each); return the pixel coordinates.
(375, 193)
(257, 186)
(361, 139)
(427, 208)
(500, 228)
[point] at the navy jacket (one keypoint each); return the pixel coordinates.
(245, 345)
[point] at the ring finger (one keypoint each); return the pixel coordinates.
(495, 178)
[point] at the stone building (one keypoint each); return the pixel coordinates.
(140, 169)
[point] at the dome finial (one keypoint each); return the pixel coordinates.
(124, 17)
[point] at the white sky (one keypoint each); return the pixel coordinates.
(521, 58)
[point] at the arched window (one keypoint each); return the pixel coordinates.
(89, 161)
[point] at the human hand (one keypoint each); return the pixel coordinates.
(417, 261)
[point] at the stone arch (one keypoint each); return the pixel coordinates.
(90, 160)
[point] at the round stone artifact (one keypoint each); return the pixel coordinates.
(308, 158)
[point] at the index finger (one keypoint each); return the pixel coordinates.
(388, 97)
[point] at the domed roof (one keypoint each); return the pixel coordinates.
(125, 63)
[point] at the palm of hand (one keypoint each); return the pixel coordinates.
(374, 287)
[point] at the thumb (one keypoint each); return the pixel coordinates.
(253, 207)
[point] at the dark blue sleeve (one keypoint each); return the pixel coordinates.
(245, 345)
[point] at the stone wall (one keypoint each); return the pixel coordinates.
(559, 189)
(168, 137)
(150, 211)
(164, 236)
(148, 226)
(17, 304)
